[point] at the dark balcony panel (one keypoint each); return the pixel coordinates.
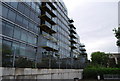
(73, 36)
(53, 21)
(82, 45)
(48, 9)
(73, 30)
(47, 28)
(83, 49)
(72, 26)
(46, 17)
(71, 20)
(49, 46)
(53, 13)
(73, 46)
(73, 41)
(53, 5)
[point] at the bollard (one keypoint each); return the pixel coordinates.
(98, 77)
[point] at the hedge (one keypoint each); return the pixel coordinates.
(91, 73)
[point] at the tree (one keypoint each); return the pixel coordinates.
(6, 56)
(22, 62)
(117, 35)
(99, 58)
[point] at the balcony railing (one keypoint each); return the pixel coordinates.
(82, 49)
(53, 5)
(49, 46)
(73, 46)
(47, 27)
(72, 35)
(72, 26)
(49, 37)
(82, 45)
(71, 20)
(73, 40)
(73, 30)
(53, 21)
(46, 16)
(53, 13)
(47, 8)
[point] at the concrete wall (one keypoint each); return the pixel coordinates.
(28, 73)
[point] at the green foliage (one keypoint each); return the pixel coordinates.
(6, 55)
(24, 63)
(99, 58)
(91, 73)
(117, 35)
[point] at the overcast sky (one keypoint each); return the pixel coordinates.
(94, 22)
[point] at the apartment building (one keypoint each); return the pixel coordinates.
(34, 30)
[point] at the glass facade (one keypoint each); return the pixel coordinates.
(30, 29)
(20, 28)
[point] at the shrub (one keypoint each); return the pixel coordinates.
(91, 73)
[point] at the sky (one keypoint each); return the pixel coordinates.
(95, 21)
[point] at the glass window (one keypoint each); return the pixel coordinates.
(24, 35)
(33, 5)
(16, 48)
(29, 3)
(7, 44)
(30, 52)
(32, 15)
(4, 11)
(6, 47)
(17, 32)
(30, 38)
(19, 19)
(14, 4)
(31, 26)
(37, 9)
(22, 49)
(25, 22)
(9, 29)
(21, 7)
(36, 28)
(3, 27)
(27, 11)
(36, 18)
(11, 15)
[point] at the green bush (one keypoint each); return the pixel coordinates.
(91, 73)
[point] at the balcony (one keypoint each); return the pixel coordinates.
(49, 46)
(47, 28)
(49, 37)
(53, 21)
(82, 49)
(73, 40)
(53, 13)
(71, 20)
(72, 26)
(53, 5)
(73, 35)
(73, 30)
(47, 8)
(73, 46)
(46, 17)
(82, 45)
